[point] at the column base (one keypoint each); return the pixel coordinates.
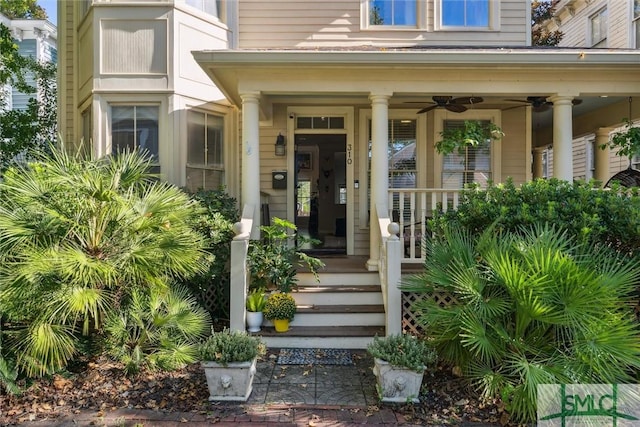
(372, 265)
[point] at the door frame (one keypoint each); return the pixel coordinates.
(319, 111)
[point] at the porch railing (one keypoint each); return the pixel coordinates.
(411, 208)
(239, 272)
(389, 268)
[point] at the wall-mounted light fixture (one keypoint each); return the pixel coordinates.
(280, 145)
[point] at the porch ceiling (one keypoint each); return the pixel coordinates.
(414, 76)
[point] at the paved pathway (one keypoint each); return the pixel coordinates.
(283, 395)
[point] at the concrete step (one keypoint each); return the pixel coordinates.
(339, 279)
(356, 337)
(334, 295)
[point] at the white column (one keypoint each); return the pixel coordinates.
(379, 171)
(602, 172)
(250, 187)
(562, 137)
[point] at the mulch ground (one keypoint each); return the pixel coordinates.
(101, 386)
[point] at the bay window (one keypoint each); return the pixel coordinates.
(135, 127)
(205, 163)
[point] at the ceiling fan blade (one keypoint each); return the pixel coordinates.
(467, 100)
(429, 108)
(441, 100)
(577, 101)
(456, 108)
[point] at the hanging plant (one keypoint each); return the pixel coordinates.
(627, 141)
(472, 134)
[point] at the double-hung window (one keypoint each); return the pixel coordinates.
(135, 127)
(466, 13)
(396, 13)
(598, 24)
(471, 165)
(205, 139)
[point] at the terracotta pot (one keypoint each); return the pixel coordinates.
(282, 325)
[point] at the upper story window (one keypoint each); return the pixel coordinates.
(210, 7)
(466, 13)
(598, 27)
(135, 127)
(398, 13)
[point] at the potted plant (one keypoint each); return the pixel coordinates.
(255, 306)
(272, 260)
(473, 133)
(280, 308)
(229, 362)
(399, 364)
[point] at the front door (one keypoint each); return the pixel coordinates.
(321, 191)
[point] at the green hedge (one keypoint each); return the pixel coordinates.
(590, 214)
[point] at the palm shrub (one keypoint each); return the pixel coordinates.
(157, 330)
(529, 308)
(78, 238)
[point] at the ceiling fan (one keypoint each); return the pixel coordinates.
(457, 105)
(540, 103)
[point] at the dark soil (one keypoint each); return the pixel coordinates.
(101, 386)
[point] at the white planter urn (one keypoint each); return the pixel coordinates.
(233, 382)
(397, 384)
(254, 321)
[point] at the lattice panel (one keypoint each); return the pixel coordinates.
(217, 300)
(409, 317)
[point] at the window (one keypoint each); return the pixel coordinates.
(87, 129)
(465, 13)
(393, 12)
(135, 128)
(591, 158)
(205, 140)
(304, 197)
(598, 26)
(545, 163)
(636, 22)
(324, 122)
(210, 7)
(472, 165)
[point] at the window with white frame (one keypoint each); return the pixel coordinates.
(135, 127)
(394, 13)
(471, 165)
(401, 158)
(205, 140)
(466, 13)
(636, 23)
(590, 169)
(210, 7)
(598, 28)
(544, 158)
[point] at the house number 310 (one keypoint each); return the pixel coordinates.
(349, 150)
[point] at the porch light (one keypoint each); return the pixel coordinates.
(280, 145)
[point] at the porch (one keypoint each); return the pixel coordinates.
(351, 304)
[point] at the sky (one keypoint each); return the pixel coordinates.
(51, 8)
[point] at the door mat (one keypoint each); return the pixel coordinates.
(314, 356)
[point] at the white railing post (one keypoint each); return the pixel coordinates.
(239, 281)
(393, 269)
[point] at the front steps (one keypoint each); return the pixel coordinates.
(343, 310)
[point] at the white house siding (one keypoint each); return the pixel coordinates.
(573, 21)
(312, 23)
(132, 53)
(579, 158)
